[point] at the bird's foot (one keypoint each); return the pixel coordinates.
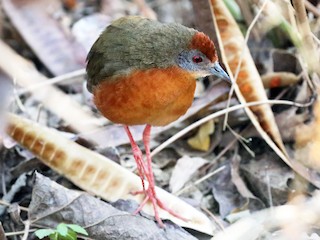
(156, 203)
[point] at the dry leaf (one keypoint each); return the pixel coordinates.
(201, 141)
(184, 170)
(237, 179)
(52, 204)
(225, 193)
(249, 84)
(267, 173)
(37, 21)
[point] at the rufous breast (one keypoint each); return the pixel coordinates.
(155, 96)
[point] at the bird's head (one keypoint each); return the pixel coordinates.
(201, 58)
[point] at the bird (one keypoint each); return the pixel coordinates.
(143, 72)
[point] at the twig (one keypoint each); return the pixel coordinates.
(312, 8)
(269, 187)
(8, 234)
(26, 230)
(40, 107)
(52, 81)
(305, 74)
(245, 7)
(221, 153)
(200, 180)
(2, 233)
(291, 11)
(8, 204)
(16, 97)
(215, 219)
(243, 141)
(316, 39)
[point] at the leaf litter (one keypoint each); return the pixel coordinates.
(240, 192)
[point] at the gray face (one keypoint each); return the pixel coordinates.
(194, 60)
(197, 63)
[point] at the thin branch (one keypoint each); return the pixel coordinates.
(215, 219)
(8, 234)
(243, 141)
(316, 39)
(62, 78)
(2, 202)
(200, 180)
(26, 230)
(312, 8)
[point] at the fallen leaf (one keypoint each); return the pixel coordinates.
(267, 175)
(201, 141)
(183, 171)
(52, 204)
(237, 180)
(248, 85)
(225, 192)
(37, 22)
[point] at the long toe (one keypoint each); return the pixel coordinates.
(172, 212)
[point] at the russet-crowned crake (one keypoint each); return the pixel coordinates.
(141, 71)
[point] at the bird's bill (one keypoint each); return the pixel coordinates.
(218, 71)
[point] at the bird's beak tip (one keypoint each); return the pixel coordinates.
(218, 71)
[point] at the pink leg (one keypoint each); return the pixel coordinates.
(137, 154)
(145, 170)
(151, 188)
(149, 174)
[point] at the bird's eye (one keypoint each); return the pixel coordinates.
(197, 59)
